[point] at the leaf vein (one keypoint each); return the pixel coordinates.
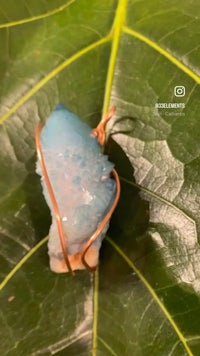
(52, 74)
(22, 262)
(37, 17)
(153, 294)
(95, 312)
(158, 197)
(107, 346)
(118, 23)
(163, 52)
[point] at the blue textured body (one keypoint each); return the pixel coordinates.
(80, 177)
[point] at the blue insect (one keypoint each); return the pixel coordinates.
(78, 188)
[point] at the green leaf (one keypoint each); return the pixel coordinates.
(144, 298)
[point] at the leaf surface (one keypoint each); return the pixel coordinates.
(144, 298)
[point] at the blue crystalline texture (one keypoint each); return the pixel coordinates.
(80, 177)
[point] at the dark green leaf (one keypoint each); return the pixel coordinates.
(144, 299)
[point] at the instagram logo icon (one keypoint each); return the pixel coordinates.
(179, 90)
